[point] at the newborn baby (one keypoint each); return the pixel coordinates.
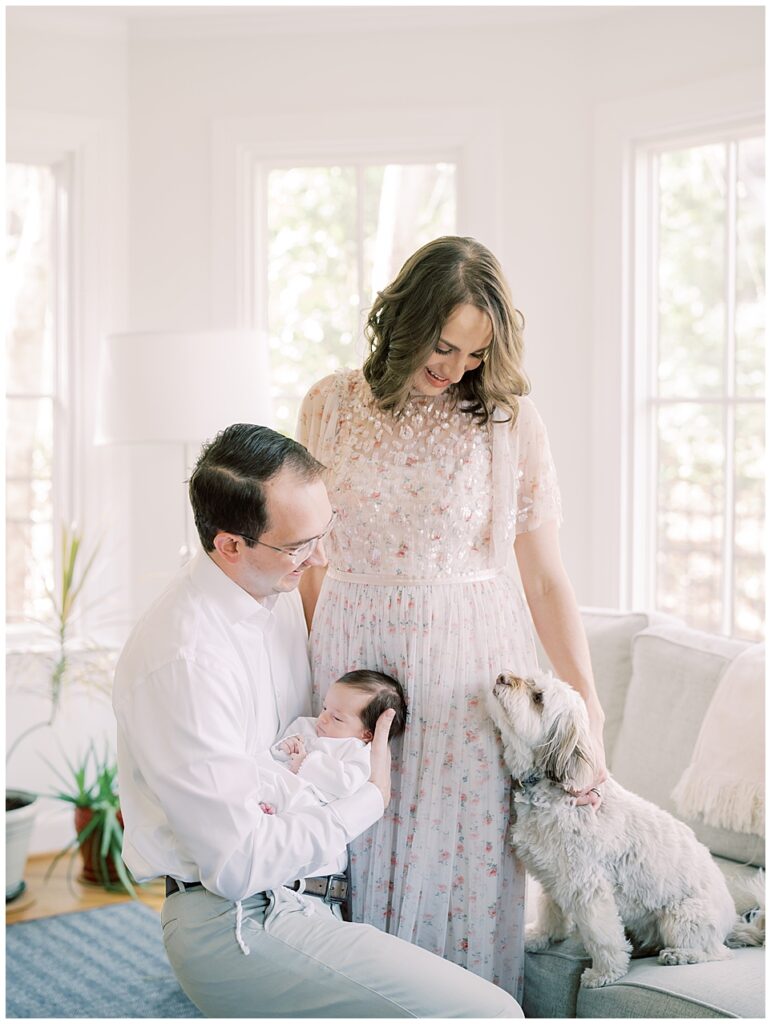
(331, 754)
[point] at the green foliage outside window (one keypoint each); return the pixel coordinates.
(335, 235)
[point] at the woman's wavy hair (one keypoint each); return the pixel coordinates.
(406, 320)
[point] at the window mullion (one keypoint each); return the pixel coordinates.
(729, 415)
(259, 312)
(652, 388)
(360, 258)
(62, 244)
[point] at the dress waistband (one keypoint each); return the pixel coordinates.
(390, 580)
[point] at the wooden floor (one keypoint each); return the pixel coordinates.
(62, 893)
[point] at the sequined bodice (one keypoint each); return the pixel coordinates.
(413, 493)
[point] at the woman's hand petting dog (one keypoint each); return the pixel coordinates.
(593, 794)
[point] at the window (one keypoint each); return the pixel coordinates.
(700, 382)
(36, 205)
(334, 235)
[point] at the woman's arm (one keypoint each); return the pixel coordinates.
(557, 620)
(310, 588)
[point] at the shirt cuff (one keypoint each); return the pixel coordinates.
(360, 810)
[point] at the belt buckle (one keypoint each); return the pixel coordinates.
(328, 897)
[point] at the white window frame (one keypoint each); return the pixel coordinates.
(647, 401)
(62, 391)
(469, 137)
(259, 309)
(91, 155)
(617, 478)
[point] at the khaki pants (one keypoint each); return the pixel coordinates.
(304, 961)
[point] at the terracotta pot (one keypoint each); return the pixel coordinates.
(89, 850)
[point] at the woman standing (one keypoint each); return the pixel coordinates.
(439, 467)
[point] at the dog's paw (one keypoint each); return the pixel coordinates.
(596, 977)
(671, 957)
(535, 940)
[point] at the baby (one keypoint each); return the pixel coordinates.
(330, 754)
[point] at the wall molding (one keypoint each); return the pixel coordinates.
(470, 136)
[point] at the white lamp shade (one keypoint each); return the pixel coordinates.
(180, 387)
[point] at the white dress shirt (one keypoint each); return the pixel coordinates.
(334, 767)
(206, 682)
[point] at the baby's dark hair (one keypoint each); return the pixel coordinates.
(386, 693)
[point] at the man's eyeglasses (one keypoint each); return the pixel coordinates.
(302, 551)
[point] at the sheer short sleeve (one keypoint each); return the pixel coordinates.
(317, 420)
(538, 495)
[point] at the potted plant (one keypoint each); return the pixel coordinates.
(69, 660)
(92, 790)
(20, 810)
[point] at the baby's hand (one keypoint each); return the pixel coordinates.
(267, 808)
(297, 757)
(292, 745)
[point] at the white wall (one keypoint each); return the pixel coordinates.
(167, 75)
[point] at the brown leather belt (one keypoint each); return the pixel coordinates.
(173, 886)
(331, 888)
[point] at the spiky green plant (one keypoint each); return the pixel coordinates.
(65, 605)
(94, 787)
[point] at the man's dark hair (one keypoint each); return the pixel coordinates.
(226, 486)
(386, 693)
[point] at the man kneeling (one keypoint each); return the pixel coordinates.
(212, 674)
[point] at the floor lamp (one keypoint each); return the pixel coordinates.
(180, 388)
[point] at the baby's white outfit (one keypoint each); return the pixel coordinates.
(334, 768)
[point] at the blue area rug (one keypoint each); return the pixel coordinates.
(108, 962)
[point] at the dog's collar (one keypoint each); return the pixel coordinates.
(527, 781)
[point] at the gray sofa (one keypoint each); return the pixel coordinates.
(655, 678)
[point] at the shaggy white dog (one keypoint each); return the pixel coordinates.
(626, 867)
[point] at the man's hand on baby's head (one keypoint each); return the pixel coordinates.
(380, 757)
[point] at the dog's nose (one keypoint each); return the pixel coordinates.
(503, 680)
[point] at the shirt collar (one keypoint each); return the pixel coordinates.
(237, 605)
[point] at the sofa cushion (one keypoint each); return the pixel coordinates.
(552, 979)
(675, 672)
(609, 633)
(727, 988)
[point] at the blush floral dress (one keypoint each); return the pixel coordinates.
(421, 585)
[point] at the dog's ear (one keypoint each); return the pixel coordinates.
(565, 755)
